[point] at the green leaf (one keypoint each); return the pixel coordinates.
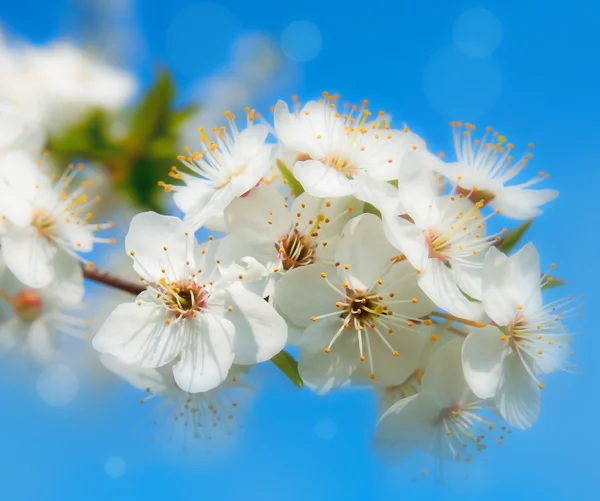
(151, 119)
(295, 186)
(288, 365)
(179, 117)
(512, 238)
(370, 209)
(552, 282)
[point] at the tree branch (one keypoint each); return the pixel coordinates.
(110, 280)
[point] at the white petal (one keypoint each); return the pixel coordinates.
(207, 358)
(320, 180)
(469, 277)
(382, 195)
(406, 426)
(140, 377)
(391, 370)
(444, 378)
(263, 210)
(260, 332)
(407, 238)
(364, 247)
(149, 234)
(196, 191)
(322, 371)
(206, 209)
(138, 334)
(437, 281)
(483, 355)
(12, 332)
(510, 282)
(519, 203)
(29, 256)
(519, 396)
(402, 279)
(42, 341)
(68, 279)
(302, 293)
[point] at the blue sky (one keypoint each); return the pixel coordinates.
(532, 73)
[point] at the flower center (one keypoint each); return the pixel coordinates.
(27, 304)
(296, 250)
(184, 299)
(340, 164)
(437, 244)
(362, 307)
(450, 412)
(44, 224)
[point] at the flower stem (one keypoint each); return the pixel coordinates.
(105, 278)
(464, 321)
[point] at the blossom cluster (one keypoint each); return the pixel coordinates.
(374, 257)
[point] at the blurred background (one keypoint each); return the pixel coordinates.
(123, 85)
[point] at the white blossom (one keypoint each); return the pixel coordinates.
(224, 168)
(42, 218)
(190, 314)
(210, 415)
(367, 308)
(485, 167)
(59, 83)
(341, 153)
(503, 361)
(443, 236)
(32, 319)
(443, 420)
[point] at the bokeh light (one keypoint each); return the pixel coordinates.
(301, 41)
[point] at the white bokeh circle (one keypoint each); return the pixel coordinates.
(301, 41)
(115, 467)
(325, 429)
(461, 87)
(477, 33)
(57, 385)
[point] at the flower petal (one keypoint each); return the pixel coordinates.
(405, 427)
(365, 249)
(391, 370)
(29, 256)
(322, 371)
(293, 301)
(260, 332)
(320, 180)
(437, 281)
(483, 355)
(518, 203)
(42, 340)
(137, 334)
(206, 360)
(148, 237)
(519, 397)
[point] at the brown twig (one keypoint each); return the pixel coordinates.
(110, 280)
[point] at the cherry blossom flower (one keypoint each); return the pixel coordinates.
(225, 168)
(282, 236)
(208, 416)
(34, 318)
(340, 154)
(59, 83)
(190, 314)
(485, 167)
(444, 237)
(503, 361)
(443, 420)
(367, 307)
(42, 218)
